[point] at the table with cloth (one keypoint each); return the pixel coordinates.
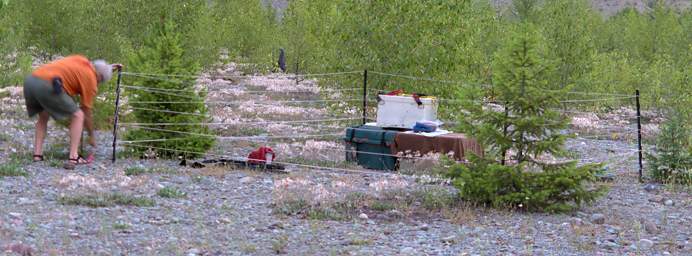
(419, 144)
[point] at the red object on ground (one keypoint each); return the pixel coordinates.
(259, 156)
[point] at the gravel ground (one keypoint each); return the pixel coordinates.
(229, 212)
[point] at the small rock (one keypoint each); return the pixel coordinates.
(645, 244)
(407, 251)
(612, 230)
(25, 201)
(193, 252)
(656, 199)
(15, 215)
(609, 245)
(449, 239)
(669, 202)
(363, 216)
(650, 226)
(576, 221)
(224, 220)
(666, 253)
(424, 227)
(650, 187)
(597, 218)
(20, 249)
(246, 180)
(74, 235)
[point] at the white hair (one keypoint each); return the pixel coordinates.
(104, 69)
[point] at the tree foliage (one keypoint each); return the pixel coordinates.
(672, 161)
(163, 54)
(521, 131)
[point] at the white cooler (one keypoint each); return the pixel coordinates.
(404, 112)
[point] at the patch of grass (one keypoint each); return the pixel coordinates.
(5, 137)
(291, 207)
(360, 241)
(137, 170)
(248, 248)
(434, 198)
(170, 192)
(134, 171)
(121, 226)
(324, 213)
(106, 200)
(12, 168)
(279, 244)
(382, 206)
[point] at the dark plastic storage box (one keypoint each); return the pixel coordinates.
(370, 146)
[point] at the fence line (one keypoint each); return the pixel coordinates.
(252, 123)
(241, 138)
(315, 167)
(243, 102)
(149, 75)
(318, 90)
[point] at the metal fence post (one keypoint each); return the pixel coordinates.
(639, 137)
(115, 115)
(365, 96)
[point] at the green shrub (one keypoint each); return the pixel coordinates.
(672, 161)
(164, 55)
(553, 189)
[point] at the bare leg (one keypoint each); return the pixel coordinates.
(76, 125)
(41, 129)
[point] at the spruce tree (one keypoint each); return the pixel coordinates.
(672, 161)
(522, 128)
(167, 99)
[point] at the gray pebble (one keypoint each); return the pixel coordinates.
(597, 218)
(645, 244)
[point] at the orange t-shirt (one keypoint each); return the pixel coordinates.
(77, 74)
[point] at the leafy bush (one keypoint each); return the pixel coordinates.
(553, 189)
(672, 161)
(170, 100)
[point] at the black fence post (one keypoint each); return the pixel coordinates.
(115, 115)
(639, 137)
(365, 96)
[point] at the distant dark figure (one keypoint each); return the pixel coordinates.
(282, 60)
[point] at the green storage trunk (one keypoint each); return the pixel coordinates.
(362, 140)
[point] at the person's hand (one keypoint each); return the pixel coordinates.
(92, 141)
(117, 66)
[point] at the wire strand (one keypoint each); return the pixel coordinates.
(241, 138)
(168, 111)
(315, 167)
(252, 123)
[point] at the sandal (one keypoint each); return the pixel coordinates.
(73, 162)
(38, 158)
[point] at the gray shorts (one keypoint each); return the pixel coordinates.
(39, 96)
